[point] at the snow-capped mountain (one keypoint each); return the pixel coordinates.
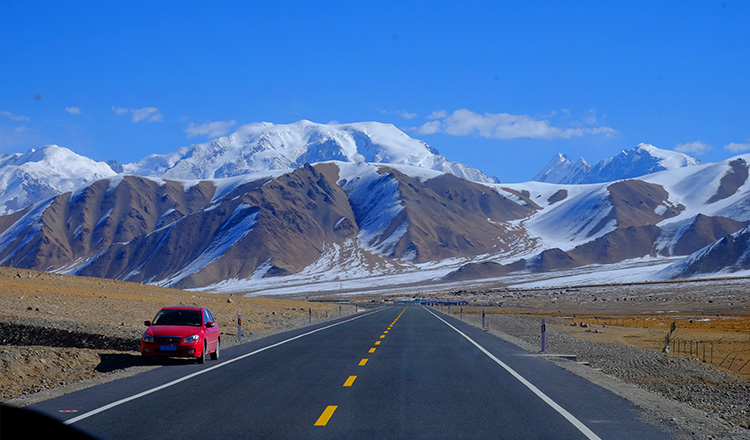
(42, 173)
(639, 161)
(354, 201)
(361, 219)
(561, 169)
(266, 146)
(198, 233)
(666, 214)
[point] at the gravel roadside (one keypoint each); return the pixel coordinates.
(685, 397)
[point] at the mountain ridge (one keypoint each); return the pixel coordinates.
(267, 146)
(356, 215)
(639, 161)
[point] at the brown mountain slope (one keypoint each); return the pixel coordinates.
(621, 244)
(449, 217)
(73, 228)
(730, 254)
(703, 231)
(636, 203)
(732, 180)
(281, 223)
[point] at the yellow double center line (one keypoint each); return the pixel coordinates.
(330, 409)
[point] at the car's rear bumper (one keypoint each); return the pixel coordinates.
(180, 350)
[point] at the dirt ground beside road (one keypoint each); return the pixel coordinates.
(56, 330)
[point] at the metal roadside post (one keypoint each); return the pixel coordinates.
(339, 310)
(482, 318)
(309, 311)
(544, 333)
(239, 328)
(462, 313)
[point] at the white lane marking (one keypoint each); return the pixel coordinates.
(198, 373)
(570, 417)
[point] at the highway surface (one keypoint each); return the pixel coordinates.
(401, 372)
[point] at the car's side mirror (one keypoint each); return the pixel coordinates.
(147, 323)
(209, 324)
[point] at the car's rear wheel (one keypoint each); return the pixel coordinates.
(215, 354)
(202, 358)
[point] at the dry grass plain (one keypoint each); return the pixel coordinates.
(720, 340)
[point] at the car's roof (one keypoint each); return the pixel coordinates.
(182, 308)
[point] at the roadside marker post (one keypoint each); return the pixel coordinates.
(239, 328)
(544, 333)
(309, 311)
(482, 318)
(462, 313)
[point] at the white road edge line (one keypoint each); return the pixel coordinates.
(198, 373)
(570, 417)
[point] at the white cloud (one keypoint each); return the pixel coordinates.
(119, 111)
(15, 117)
(438, 114)
(149, 114)
(697, 147)
(590, 117)
(429, 127)
(402, 113)
(504, 126)
(73, 110)
(735, 147)
(210, 129)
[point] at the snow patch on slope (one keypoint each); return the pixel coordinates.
(225, 238)
(376, 203)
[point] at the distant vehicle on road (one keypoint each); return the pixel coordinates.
(182, 331)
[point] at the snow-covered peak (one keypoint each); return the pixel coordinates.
(266, 146)
(27, 178)
(59, 163)
(639, 161)
(563, 170)
(667, 158)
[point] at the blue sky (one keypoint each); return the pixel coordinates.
(501, 86)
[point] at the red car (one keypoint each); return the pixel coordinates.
(182, 331)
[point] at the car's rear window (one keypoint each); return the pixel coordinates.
(179, 317)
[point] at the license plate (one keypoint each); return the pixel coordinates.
(168, 348)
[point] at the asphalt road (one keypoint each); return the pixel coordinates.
(398, 372)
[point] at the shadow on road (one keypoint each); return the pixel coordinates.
(118, 361)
